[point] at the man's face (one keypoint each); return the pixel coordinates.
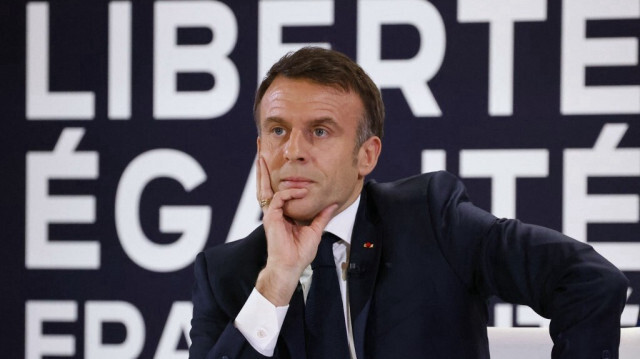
(307, 139)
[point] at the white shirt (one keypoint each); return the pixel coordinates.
(260, 321)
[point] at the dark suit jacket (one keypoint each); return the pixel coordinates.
(421, 291)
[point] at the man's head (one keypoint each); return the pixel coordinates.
(319, 120)
(334, 69)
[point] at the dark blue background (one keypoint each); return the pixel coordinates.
(225, 146)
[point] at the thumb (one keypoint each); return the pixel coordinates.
(323, 218)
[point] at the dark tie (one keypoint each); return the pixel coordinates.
(324, 317)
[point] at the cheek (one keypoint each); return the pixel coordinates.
(346, 174)
(267, 147)
(270, 153)
(271, 143)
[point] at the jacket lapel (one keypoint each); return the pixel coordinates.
(366, 246)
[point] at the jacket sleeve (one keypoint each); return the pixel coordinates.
(213, 334)
(560, 278)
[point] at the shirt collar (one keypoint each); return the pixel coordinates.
(342, 224)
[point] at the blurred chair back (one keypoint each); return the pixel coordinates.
(535, 343)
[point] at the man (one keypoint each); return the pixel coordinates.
(415, 261)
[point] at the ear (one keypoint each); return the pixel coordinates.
(258, 145)
(368, 155)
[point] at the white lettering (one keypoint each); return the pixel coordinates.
(503, 315)
(581, 208)
(171, 59)
(631, 312)
(178, 326)
(433, 160)
(42, 209)
(192, 221)
(37, 344)
(119, 97)
(504, 167)
(410, 75)
(41, 104)
(501, 16)
(274, 15)
(99, 312)
(579, 52)
(247, 216)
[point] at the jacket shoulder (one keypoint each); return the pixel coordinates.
(416, 188)
(252, 243)
(237, 262)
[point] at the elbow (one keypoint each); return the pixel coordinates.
(614, 288)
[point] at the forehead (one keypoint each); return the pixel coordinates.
(304, 99)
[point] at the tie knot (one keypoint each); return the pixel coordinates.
(330, 237)
(324, 256)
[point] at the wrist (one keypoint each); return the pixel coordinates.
(277, 286)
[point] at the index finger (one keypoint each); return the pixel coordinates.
(264, 181)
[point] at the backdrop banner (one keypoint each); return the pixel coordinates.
(128, 141)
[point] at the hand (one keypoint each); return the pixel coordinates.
(290, 246)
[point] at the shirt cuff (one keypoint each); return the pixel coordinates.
(260, 322)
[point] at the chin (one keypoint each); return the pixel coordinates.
(300, 212)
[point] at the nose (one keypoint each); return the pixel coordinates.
(296, 147)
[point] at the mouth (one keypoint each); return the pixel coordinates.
(295, 182)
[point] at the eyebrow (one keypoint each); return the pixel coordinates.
(319, 121)
(325, 121)
(273, 119)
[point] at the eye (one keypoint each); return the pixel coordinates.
(278, 131)
(320, 132)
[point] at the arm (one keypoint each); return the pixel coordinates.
(558, 277)
(290, 247)
(561, 279)
(213, 334)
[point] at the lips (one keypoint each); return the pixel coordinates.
(295, 182)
